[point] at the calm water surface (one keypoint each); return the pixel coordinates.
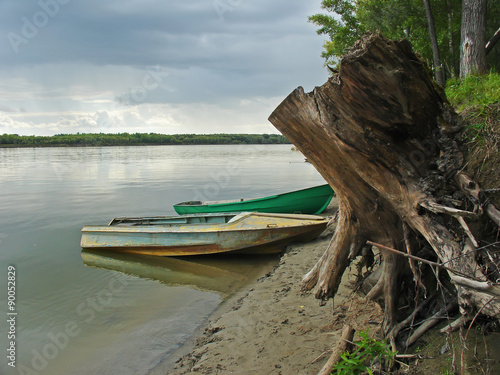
(93, 313)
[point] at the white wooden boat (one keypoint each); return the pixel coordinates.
(197, 234)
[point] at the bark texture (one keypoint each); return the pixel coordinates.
(472, 51)
(383, 136)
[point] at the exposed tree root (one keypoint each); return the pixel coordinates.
(456, 324)
(383, 136)
(346, 337)
(431, 322)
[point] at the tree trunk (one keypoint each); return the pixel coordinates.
(438, 68)
(451, 43)
(383, 136)
(473, 52)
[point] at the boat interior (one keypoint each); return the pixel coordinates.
(183, 219)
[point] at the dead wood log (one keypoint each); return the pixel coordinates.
(383, 135)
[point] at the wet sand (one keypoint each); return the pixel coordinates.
(271, 327)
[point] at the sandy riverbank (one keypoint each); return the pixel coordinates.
(272, 327)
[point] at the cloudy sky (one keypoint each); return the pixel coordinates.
(165, 66)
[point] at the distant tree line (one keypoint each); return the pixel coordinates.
(124, 139)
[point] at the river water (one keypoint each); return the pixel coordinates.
(91, 313)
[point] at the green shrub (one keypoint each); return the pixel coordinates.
(368, 352)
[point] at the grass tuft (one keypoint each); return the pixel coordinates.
(474, 91)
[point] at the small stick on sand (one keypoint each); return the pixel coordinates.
(347, 335)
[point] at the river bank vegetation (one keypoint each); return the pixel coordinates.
(477, 100)
(136, 139)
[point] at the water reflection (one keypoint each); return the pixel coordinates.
(48, 194)
(221, 274)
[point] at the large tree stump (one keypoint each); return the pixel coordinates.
(383, 135)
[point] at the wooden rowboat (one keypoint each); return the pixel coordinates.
(312, 200)
(197, 234)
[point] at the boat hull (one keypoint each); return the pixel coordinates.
(306, 201)
(251, 234)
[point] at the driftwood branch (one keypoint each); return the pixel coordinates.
(460, 278)
(440, 209)
(491, 43)
(416, 275)
(430, 263)
(347, 335)
(431, 322)
(484, 287)
(456, 324)
(474, 192)
(409, 320)
(467, 230)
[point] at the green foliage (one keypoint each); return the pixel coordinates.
(447, 371)
(395, 19)
(367, 353)
(348, 20)
(342, 32)
(478, 98)
(124, 139)
(474, 90)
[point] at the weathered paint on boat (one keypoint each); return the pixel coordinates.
(197, 234)
(306, 201)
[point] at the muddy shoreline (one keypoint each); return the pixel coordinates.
(271, 327)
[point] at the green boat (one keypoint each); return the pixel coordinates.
(313, 201)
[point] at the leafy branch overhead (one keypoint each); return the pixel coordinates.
(346, 21)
